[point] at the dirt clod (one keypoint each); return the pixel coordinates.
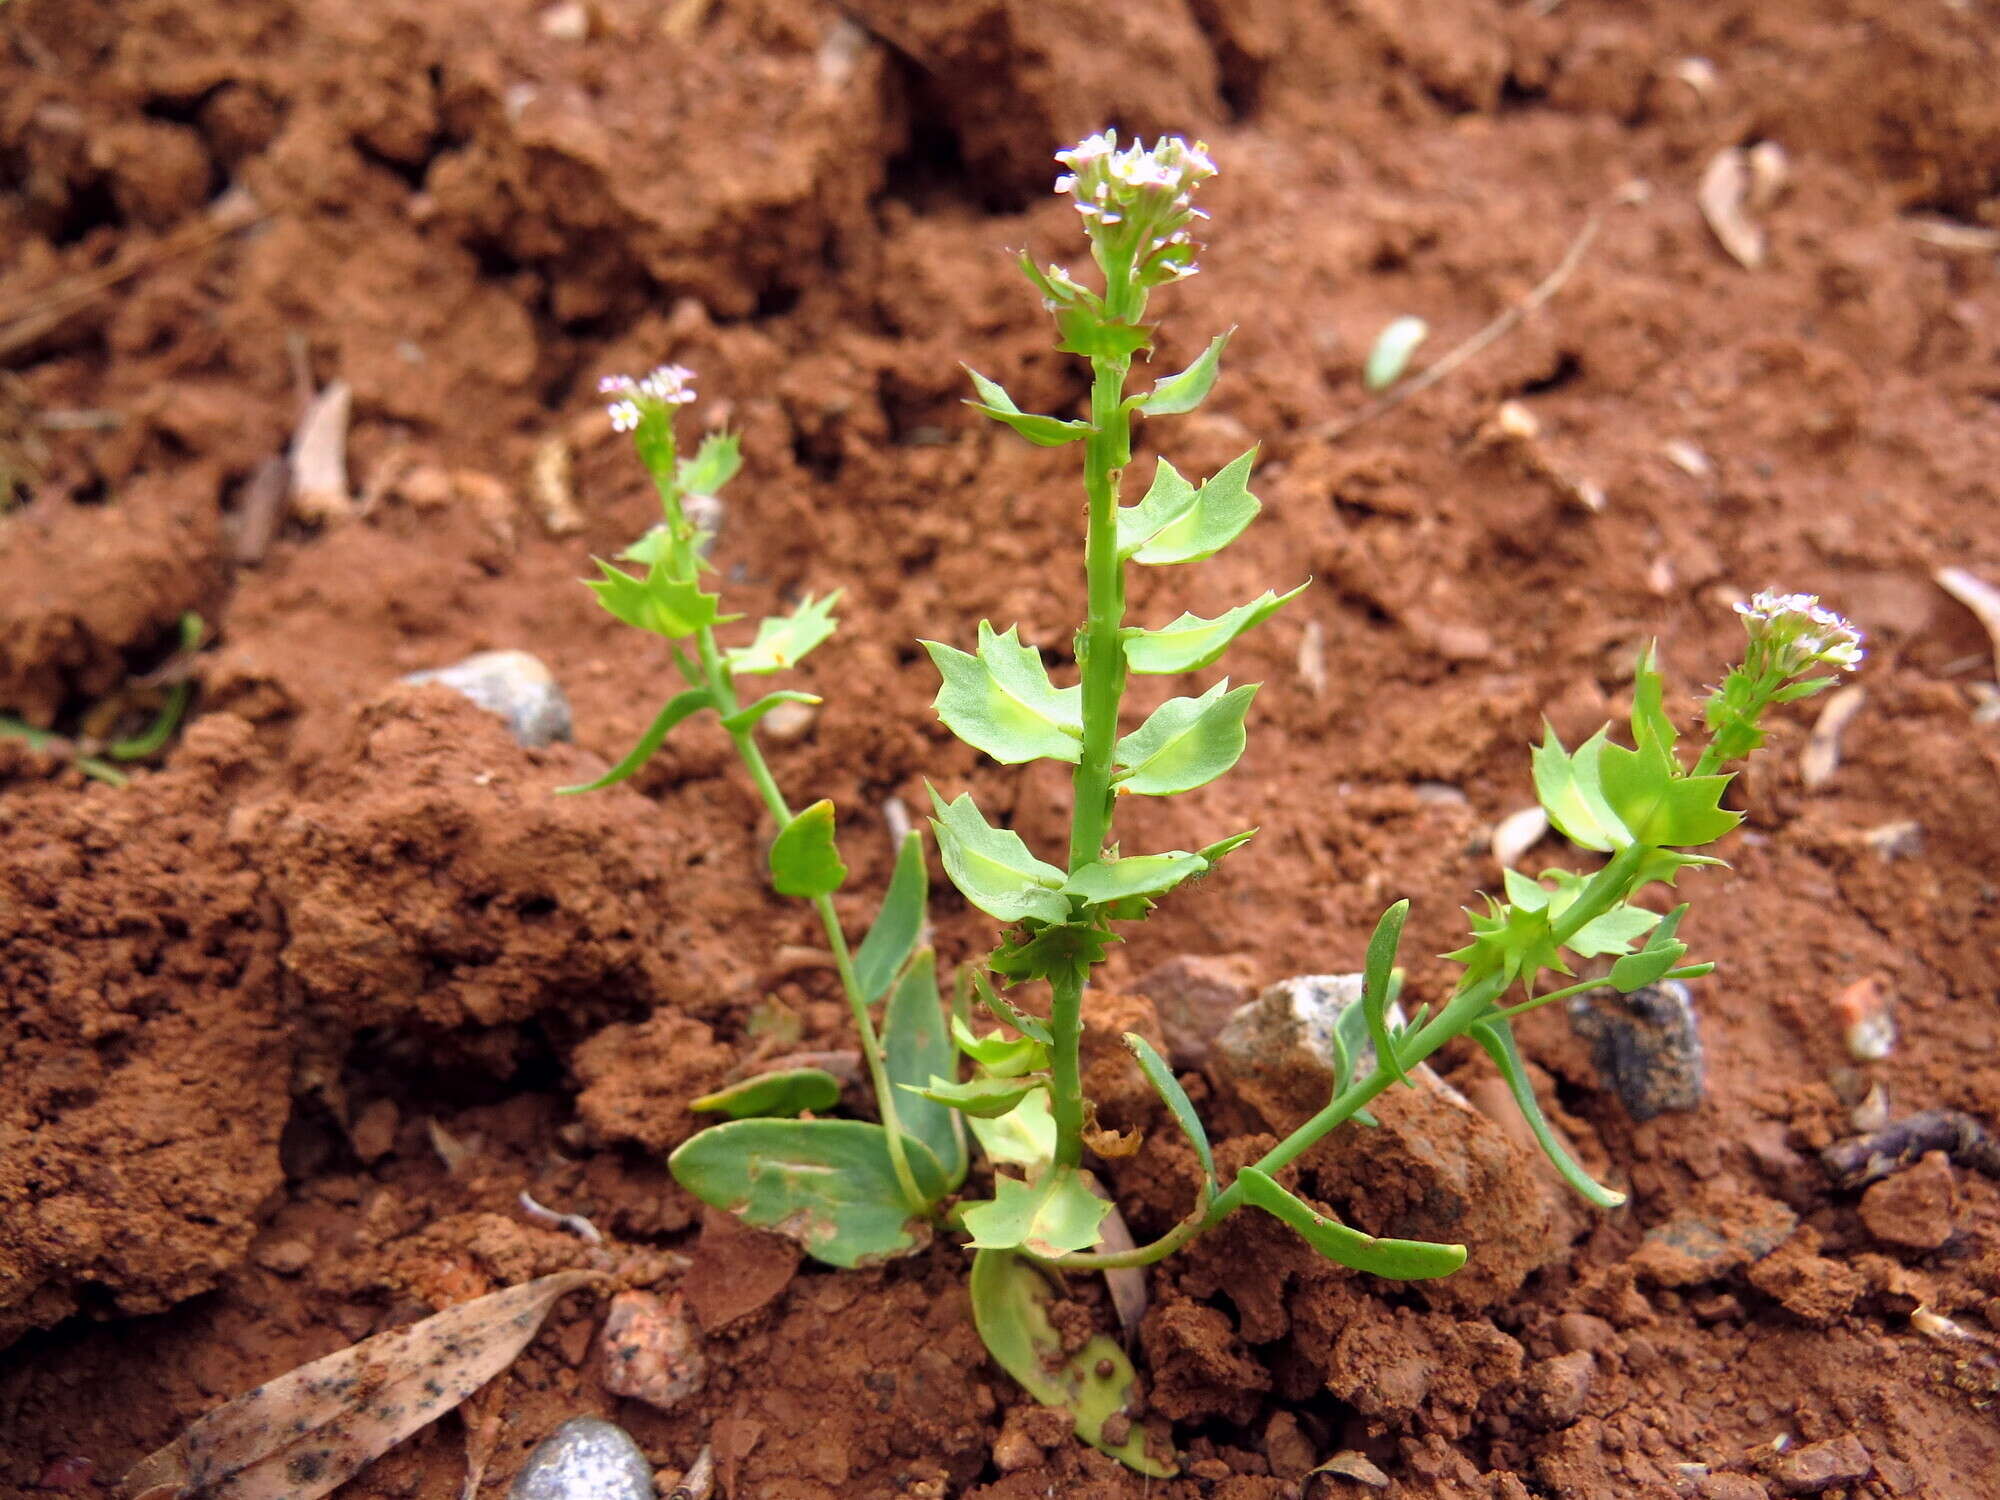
(1917, 1208)
(651, 1350)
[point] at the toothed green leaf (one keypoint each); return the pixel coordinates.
(998, 1055)
(1570, 792)
(1054, 1215)
(1186, 742)
(714, 464)
(992, 866)
(1184, 391)
(656, 602)
(1177, 524)
(1045, 432)
(1025, 1137)
(1141, 875)
(783, 640)
(1001, 701)
(1191, 643)
(804, 858)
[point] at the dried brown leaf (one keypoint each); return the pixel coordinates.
(1977, 595)
(319, 457)
(1821, 756)
(1725, 185)
(299, 1436)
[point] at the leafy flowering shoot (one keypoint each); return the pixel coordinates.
(1790, 635)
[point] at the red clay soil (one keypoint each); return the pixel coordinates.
(239, 993)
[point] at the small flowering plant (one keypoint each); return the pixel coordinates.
(1640, 806)
(855, 1191)
(851, 1191)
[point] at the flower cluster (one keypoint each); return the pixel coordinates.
(669, 385)
(1137, 202)
(1796, 631)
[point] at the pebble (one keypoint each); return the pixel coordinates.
(1820, 1466)
(1645, 1046)
(1917, 1208)
(1731, 1487)
(1557, 1390)
(514, 685)
(1194, 997)
(1721, 1232)
(1285, 1037)
(650, 1350)
(1867, 1013)
(584, 1459)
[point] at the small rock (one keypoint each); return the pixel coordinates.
(568, 22)
(1194, 997)
(286, 1257)
(1821, 1466)
(1731, 1487)
(1435, 1169)
(1557, 1389)
(584, 1459)
(1581, 1331)
(1917, 1208)
(1277, 1052)
(1287, 1449)
(1867, 1013)
(788, 722)
(1645, 1045)
(1722, 1231)
(373, 1132)
(514, 685)
(651, 1350)
(1014, 1450)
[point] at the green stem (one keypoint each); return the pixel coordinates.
(1065, 1069)
(720, 683)
(1100, 652)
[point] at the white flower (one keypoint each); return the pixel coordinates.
(1137, 201)
(1799, 631)
(624, 415)
(672, 384)
(669, 385)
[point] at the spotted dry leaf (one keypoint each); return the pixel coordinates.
(299, 1436)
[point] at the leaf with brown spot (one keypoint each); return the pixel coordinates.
(303, 1434)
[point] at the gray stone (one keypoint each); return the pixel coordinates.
(585, 1459)
(1277, 1052)
(1646, 1046)
(514, 685)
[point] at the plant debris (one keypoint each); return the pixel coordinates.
(303, 1434)
(1724, 195)
(1979, 596)
(1862, 1159)
(1821, 756)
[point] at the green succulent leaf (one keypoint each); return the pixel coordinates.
(1613, 933)
(1186, 742)
(998, 1055)
(1001, 701)
(1378, 984)
(714, 464)
(1142, 875)
(1010, 1302)
(1054, 1215)
(751, 713)
(982, 1098)
(788, 1092)
(1168, 1087)
(828, 1185)
(898, 925)
(679, 708)
(1496, 1036)
(783, 640)
(805, 861)
(1176, 523)
(992, 866)
(1191, 643)
(1400, 1260)
(1044, 432)
(1663, 951)
(656, 602)
(1026, 1137)
(915, 1049)
(1185, 391)
(656, 546)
